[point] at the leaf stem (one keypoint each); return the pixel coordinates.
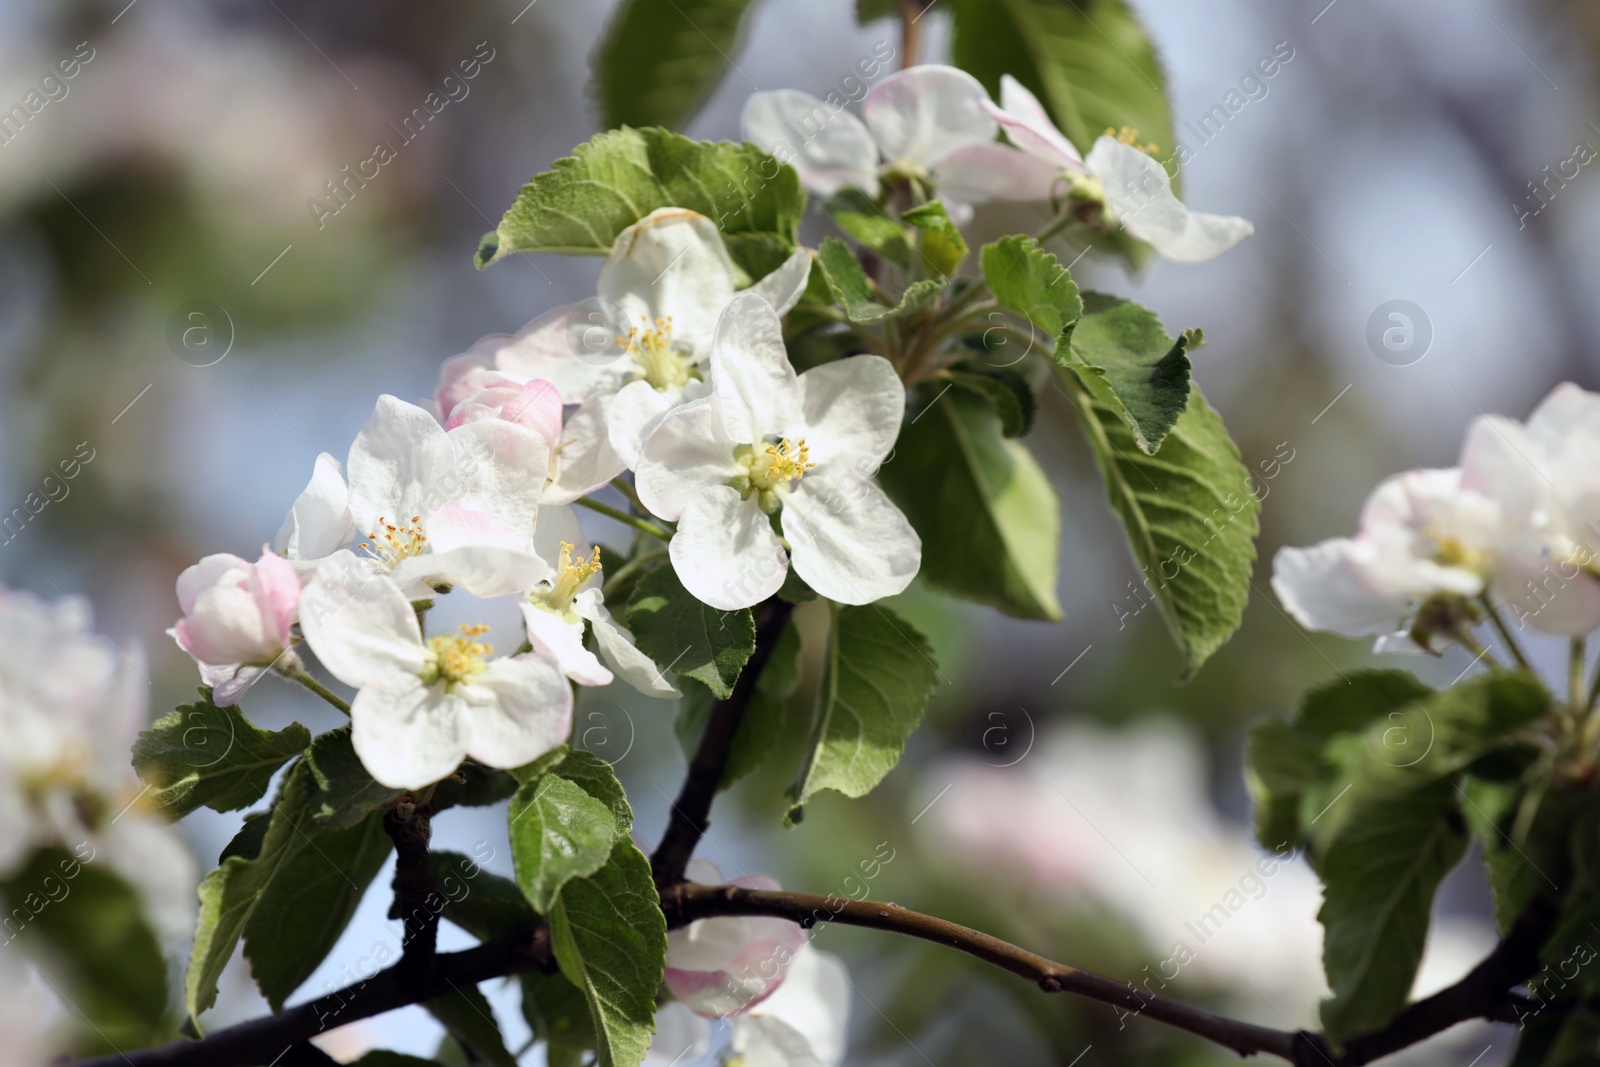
(298, 674)
(631, 566)
(623, 486)
(1505, 633)
(623, 517)
(1470, 642)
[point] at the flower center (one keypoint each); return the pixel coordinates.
(390, 544)
(1453, 552)
(769, 469)
(1129, 136)
(573, 573)
(454, 658)
(660, 364)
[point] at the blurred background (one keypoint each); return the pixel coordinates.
(175, 302)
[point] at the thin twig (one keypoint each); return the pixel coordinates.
(623, 517)
(299, 674)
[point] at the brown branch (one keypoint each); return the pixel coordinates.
(911, 31)
(691, 812)
(416, 891)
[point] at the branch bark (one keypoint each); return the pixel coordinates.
(416, 891)
(691, 812)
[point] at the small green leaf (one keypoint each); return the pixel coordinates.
(685, 636)
(1089, 61)
(876, 684)
(230, 893)
(617, 178)
(853, 291)
(1003, 387)
(559, 1016)
(610, 940)
(1190, 516)
(465, 1013)
(868, 10)
(205, 755)
(764, 719)
(473, 786)
(91, 923)
(308, 903)
(485, 905)
(1123, 354)
(1032, 283)
(1380, 877)
(597, 778)
(988, 517)
(660, 60)
(859, 216)
(346, 793)
(558, 832)
(1558, 1038)
(941, 245)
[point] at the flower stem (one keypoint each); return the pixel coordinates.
(623, 517)
(626, 488)
(633, 565)
(1576, 651)
(298, 674)
(1505, 633)
(1055, 226)
(1476, 647)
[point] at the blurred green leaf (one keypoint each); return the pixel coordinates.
(346, 793)
(878, 678)
(558, 832)
(485, 905)
(615, 179)
(988, 517)
(860, 217)
(610, 940)
(465, 1013)
(941, 245)
(764, 718)
(688, 637)
(1190, 517)
(852, 289)
(203, 755)
(1004, 388)
(559, 1016)
(660, 60)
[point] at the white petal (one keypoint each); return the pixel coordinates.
(852, 411)
(360, 625)
(920, 115)
(1030, 127)
(562, 642)
(319, 522)
(574, 347)
(151, 856)
(687, 454)
(557, 526)
(848, 540)
(408, 735)
(620, 653)
(813, 1001)
(229, 682)
(725, 552)
(674, 260)
(482, 570)
(527, 711)
(636, 410)
(397, 463)
(1500, 460)
(784, 286)
(1327, 587)
(584, 459)
(1140, 192)
(210, 571)
(1550, 595)
(830, 148)
(982, 172)
(754, 387)
(681, 1036)
(462, 376)
(500, 469)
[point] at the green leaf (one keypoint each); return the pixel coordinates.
(988, 517)
(660, 60)
(473, 786)
(859, 216)
(610, 940)
(532, 772)
(308, 902)
(558, 832)
(466, 1014)
(876, 685)
(597, 778)
(1032, 283)
(1125, 357)
(1003, 387)
(229, 894)
(1190, 517)
(853, 291)
(868, 10)
(617, 178)
(201, 754)
(1521, 863)
(686, 636)
(941, 245)
(346, 793)
(1286, 758)
(1380, 877)
(1557, 1039)
(1089, 61)
(764, 718)
(484, 905)
(559, 1016)
(91, 924)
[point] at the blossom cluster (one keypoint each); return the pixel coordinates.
(1514, 526)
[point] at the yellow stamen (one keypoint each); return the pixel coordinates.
(662, 365)
(390, 544)
(1129, 136)
(454, 658)
(572, 574)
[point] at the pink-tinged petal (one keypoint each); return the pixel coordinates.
(518, 709)
(452, 527)
(561, 642)
(538, 407)
(1029, 126)
(725, 553)
(848, 540)
(463, 376)
(229, 683)
(574, 347)
(983, 172)
(805, 1021)
(829, 147)
(686, 455)
(398, 464)
(201, 576)
(754, 388)
(276, 588)
(408, 735)
(922, 114)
